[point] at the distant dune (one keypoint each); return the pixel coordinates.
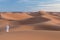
(27, 21)
(11, 16)
(53, 18)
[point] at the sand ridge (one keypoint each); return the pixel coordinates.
(23, 21)
(51, 17)
(15, 16)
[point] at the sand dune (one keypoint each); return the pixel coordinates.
(25, 21)
(15, 16)
(35, 14)
(54, 19)
(24, 26)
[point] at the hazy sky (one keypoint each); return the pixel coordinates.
(29, 5)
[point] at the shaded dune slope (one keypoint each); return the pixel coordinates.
(35, 14)
(47, 27)
(33, 20)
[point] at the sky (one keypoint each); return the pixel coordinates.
(29, 5)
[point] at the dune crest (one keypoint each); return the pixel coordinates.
(51, 17)
(11, 16)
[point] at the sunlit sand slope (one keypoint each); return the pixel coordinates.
(53, 19)
(15, 16)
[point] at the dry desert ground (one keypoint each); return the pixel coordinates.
(30, 26)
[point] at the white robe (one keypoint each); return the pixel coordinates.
(7, 28)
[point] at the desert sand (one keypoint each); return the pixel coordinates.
(16, 16)
(31, 35)
(26, 26)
